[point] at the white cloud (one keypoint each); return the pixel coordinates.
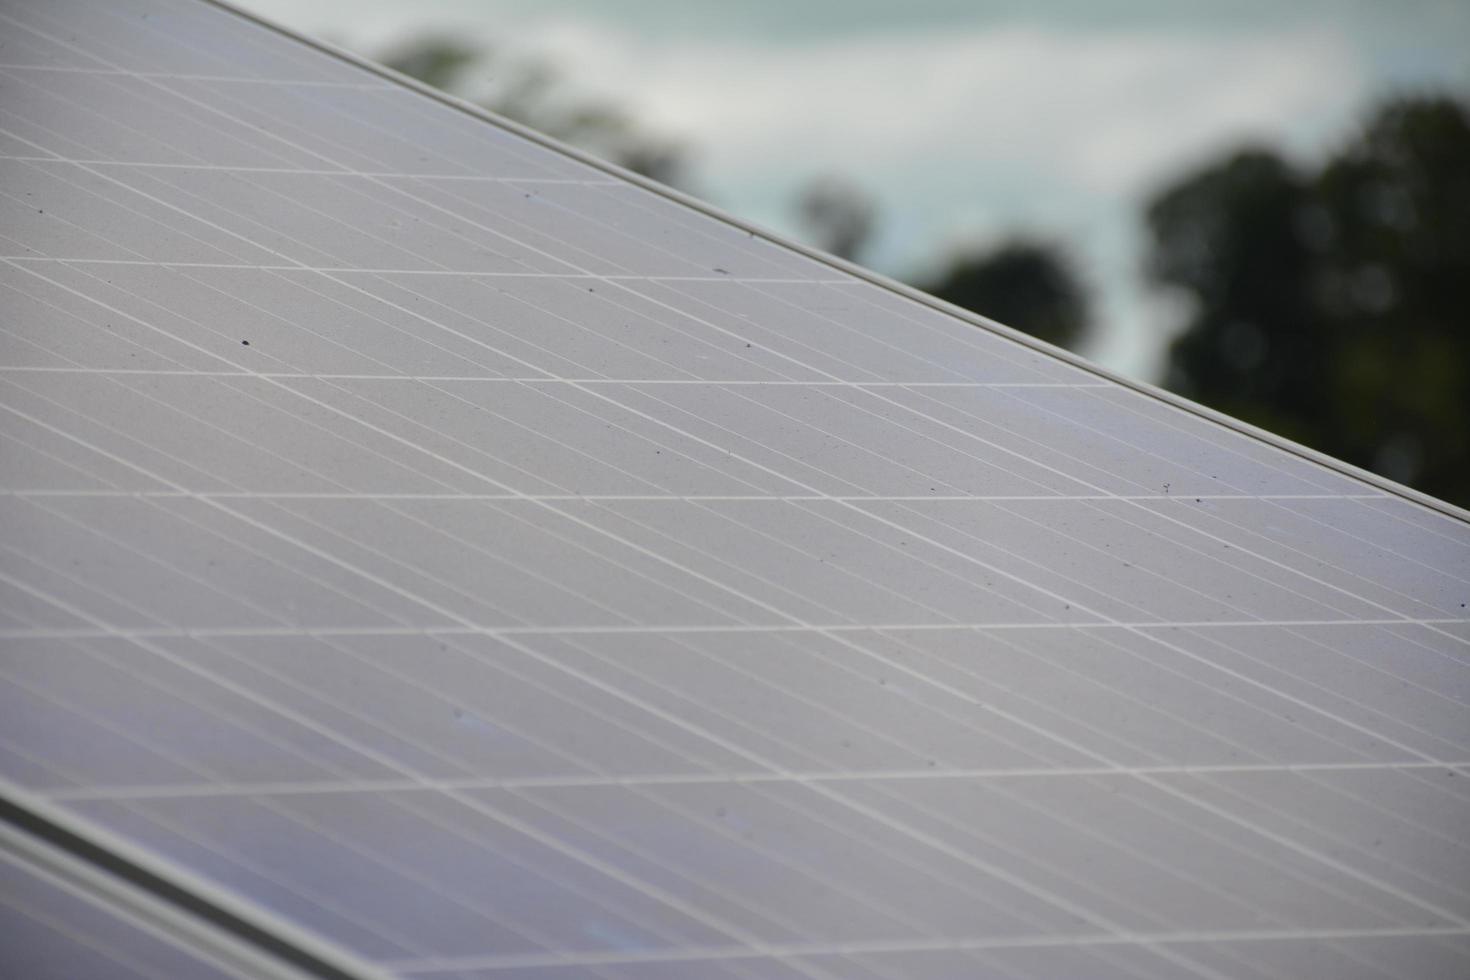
(1101, 111)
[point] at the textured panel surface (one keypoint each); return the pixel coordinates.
(501, 569)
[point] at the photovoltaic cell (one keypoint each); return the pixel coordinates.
(497, 567)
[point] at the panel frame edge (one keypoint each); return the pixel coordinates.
(198, 915)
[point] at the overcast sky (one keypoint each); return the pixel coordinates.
(967, 120)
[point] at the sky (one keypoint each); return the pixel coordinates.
(968, 121)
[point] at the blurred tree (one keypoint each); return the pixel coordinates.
(1333, 306)
(836, 215)
(530, 91)
(439, 62)
(1023, 284)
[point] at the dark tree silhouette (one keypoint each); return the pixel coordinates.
(437, 61)
(1232, 237)
(1023, 284)
(530, 91)
(836, 215)
(1333, 305)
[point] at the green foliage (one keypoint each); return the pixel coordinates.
(440, 62)
(1333, 305)
(1023, 284)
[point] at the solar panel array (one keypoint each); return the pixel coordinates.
(499, 568)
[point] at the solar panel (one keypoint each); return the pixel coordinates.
(421, 538)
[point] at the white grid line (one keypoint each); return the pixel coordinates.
(1079, 940)
(308, 171)
(367, 270)
(120, 792)
(186, 77)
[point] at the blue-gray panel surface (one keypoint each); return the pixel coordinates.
(499, 568)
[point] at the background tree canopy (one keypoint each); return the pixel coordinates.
(1332, 304)
(1024, 284)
